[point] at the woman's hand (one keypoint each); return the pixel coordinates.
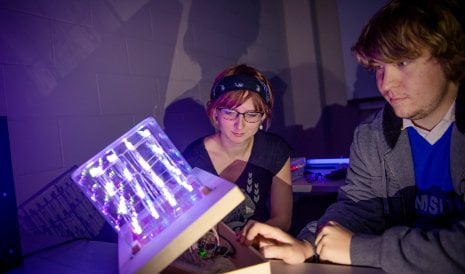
(274, 243)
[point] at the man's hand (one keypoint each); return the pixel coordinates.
(333, 243)
(275, 243)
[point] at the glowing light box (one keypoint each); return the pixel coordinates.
(155, 201)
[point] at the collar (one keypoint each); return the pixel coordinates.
(436, 133)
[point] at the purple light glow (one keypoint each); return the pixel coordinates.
(140, 181)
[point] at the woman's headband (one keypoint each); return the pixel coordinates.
(240, 82)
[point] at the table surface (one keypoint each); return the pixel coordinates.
(83, 256)
(281, 267)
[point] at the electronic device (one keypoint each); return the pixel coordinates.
(333, 169)
(155, 201)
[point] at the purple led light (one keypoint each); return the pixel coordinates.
(140, 182)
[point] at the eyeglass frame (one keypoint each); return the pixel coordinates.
(240, 113)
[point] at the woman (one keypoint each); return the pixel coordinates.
(242, 152)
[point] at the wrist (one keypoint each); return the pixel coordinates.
(308, 249)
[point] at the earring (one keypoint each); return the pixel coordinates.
(260, 127)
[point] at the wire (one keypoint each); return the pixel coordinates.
(230, 250)
(209, 246)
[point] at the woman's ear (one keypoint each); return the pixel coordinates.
(262, 121)
(215, 119)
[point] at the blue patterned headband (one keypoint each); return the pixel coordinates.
(240, 82)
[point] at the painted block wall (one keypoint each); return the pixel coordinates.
(77, 74)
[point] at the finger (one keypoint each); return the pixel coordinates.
(322, 254)
(272, 252)
(283, 252)
(249, 224)
(267, 231)
(241, 239)
(327, 229)
(247, 227)
(323, 231)
(251, 230)
(264, 242)
(245, 236)
(319, 246)
(241, 235)
(318, 238)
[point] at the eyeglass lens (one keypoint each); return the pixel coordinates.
(249, 116)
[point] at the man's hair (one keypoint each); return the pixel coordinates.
(404, 29)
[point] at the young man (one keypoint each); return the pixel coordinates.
(402, 208)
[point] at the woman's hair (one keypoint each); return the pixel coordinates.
(403, 29)
(262, 101)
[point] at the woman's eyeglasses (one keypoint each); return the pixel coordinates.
(249, 116)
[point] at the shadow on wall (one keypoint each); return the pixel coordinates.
(365, 84)
(330, 138)
(185, 120)
(214, 43)
(332, 134)
(337, 124)
(209, 43)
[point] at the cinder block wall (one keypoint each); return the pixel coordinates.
(77, 74)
